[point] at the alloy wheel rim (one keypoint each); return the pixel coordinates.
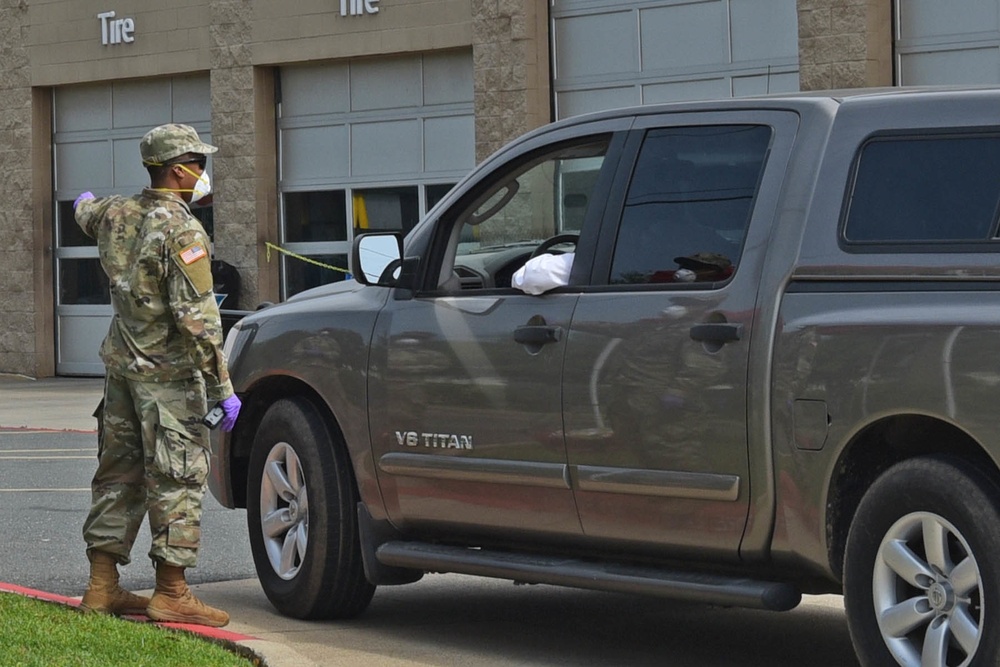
(928, 593)
(284, 511)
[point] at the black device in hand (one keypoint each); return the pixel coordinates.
(214, 416)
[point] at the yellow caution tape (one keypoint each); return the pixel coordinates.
(271, 246)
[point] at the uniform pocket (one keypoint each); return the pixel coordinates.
(177, 456)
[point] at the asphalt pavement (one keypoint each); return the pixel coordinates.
(51, 420)
(441, 620)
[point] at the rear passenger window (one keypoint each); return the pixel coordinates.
(925, 190)
(689, 203)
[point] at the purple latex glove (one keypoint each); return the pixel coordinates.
(231, 406)
(83, 195)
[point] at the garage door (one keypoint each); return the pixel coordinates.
(364, 145)
(610, 54)
(936, 43)
(96, 148)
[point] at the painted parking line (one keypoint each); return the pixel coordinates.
(29, 430)
(37, 451)
(87, 489)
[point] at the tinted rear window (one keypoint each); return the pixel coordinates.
(925, 190)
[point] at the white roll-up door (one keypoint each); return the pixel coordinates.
(97, 128)
(610, 54)
(947, 42)
(364, 145)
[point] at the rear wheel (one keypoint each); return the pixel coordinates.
(921, 578)
(302, 516)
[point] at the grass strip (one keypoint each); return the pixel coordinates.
(35, 633)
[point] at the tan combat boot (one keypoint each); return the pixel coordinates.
(173, 601)
(104, 595)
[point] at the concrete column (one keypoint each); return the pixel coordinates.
(23, 253)
(845, 44)
(510, 51)
(244, 168)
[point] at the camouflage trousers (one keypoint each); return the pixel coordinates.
(152, 458)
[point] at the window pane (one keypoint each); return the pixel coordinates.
(206, 215)
(386, 209)
(70, 234)
(82, 281)
(300, 275)
(549, 197)
(926, 189)
(316, 216)
(436, 193)
(690, 200)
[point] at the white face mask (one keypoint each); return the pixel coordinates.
(202, 187)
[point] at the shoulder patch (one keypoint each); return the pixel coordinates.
(192, 253)
(193, 262)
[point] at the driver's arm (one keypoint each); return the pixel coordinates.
(542, 273)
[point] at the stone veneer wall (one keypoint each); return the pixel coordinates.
(845, 44)
(510, 56)
(234, 131)
(19, 253)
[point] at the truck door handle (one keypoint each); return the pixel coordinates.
(536, 335)
(717, 333)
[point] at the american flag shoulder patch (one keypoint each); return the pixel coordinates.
(193, 253)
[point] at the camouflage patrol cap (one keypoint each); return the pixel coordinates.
(169, 141)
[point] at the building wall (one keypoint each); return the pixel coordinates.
(511, 61)
(49, 43)
(844, 44)
(22, 289)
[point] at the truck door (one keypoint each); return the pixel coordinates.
(466, 399)
(656, 373)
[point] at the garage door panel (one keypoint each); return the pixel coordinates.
(448, 78)
(320, 152)
(583, 47)
(929, 18)
(966, 66)
(392, 147)
(80, 335)
(129, 173)
(576, 102)
(684, 36)
(85, 165)
(141, 103)
(687, 49)
(385, 84)
(95, 147)
(764, 84)
(82, 108)
(686, 90)
(777, 19)
(310, 90)
(449, 143)
(192, 99)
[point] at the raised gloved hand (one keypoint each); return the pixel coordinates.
(231, 406)
(83, 195)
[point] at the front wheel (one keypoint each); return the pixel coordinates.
(302, 516)
(921, 577)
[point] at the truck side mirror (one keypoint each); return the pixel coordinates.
(376, 258)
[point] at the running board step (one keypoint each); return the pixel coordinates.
(613, 577)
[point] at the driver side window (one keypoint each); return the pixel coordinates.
(546, 197)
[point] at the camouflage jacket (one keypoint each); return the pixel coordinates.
(156, 255)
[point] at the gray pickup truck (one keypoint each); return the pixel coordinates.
(774, 370)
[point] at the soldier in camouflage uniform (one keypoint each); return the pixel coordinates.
(164, 362)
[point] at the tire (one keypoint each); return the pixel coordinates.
(302, 516)
(944, 602)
